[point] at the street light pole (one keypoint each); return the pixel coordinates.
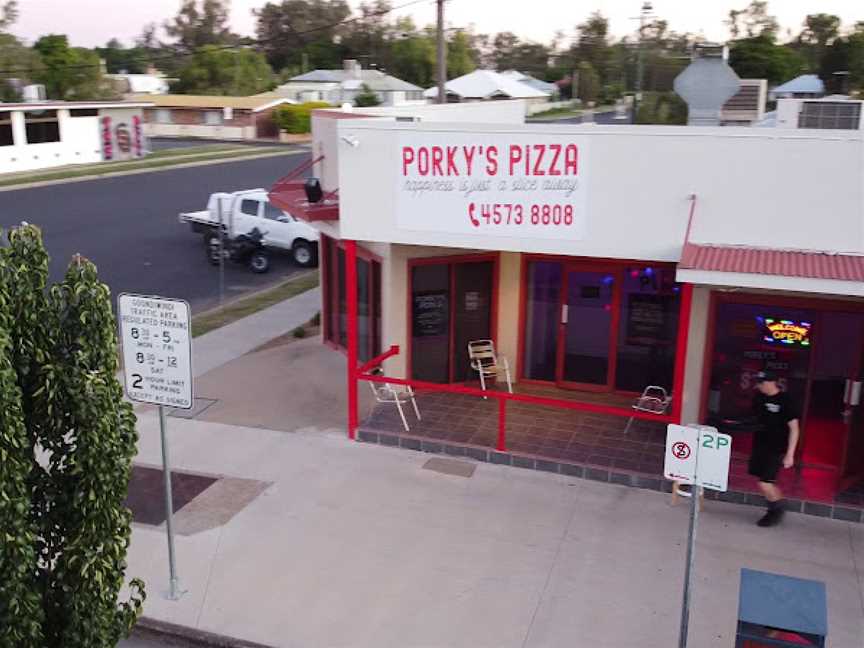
(441, 55)
(640, 62)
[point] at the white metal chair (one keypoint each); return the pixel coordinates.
(487, 363)
(387, 393)
(654, 400)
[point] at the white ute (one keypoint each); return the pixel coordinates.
(241, 212)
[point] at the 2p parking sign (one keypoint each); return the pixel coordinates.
(697, 454)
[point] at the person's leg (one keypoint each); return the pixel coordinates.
(774, 497)
(770, 491)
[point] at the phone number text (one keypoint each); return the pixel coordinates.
(556, 215)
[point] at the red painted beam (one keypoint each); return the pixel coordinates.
(351, 289)
(681, 351)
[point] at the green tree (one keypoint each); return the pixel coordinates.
(194, 27)
(592, 45)
(460, 59)
(589, 82)
(366, 98)
(69, 72)
(752, 21)
(292, 29)
(215, 71)
(761, 57)
(58, 360)
(118, 58)
(413, 55)
(664, 108)
(820, 31)
(8, 14)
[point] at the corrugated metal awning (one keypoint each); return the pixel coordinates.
(772, 268)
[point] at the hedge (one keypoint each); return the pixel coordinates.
(296, 118)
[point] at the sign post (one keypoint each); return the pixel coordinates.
(697, 455)
(155, 335)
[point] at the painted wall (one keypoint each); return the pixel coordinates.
(760, 187)
(80, 142)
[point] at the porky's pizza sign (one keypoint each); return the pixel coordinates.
(501, 185)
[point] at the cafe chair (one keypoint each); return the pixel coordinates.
(487, 363)
(387, 393)
(654, 400)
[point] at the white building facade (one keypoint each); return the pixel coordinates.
(602, 260)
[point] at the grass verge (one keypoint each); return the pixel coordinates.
(213, 319)
(154, 161)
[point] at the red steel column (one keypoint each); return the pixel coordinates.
(351, 295)
(681, 350)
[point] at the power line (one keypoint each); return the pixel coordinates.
(245, 45)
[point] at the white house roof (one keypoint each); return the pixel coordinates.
(533, 82)
(375, 79)
(804, 84)
(485, 84)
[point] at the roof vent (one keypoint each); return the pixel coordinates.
(706, 84)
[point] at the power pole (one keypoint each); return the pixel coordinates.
(441, 71)
(640, 61)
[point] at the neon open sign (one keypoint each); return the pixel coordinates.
(786, 331)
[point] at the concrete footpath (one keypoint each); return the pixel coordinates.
(353, 545)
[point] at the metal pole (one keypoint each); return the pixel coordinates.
(695, 491)
(174, 593)
(441, 57)
(221, 253)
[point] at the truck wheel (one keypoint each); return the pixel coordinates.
(213, 247)
(304, 254)
(259, 262)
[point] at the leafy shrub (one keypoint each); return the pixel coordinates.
(297, 118)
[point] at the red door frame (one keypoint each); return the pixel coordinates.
(330, 297)
(817, 304)
(612, 359)
(611, 266)
(450, 260)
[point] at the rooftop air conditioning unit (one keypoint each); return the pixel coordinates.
(35, 92)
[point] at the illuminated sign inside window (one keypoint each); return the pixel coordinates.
(785, 331)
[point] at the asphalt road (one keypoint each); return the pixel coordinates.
(128, 226)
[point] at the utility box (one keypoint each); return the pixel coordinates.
(780, 611)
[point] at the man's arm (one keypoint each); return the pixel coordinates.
(789, 458)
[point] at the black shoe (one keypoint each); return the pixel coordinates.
(772, 517)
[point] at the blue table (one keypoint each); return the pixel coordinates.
(769, 603)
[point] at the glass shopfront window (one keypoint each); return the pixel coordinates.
(601, 327)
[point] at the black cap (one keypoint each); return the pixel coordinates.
(766, 376)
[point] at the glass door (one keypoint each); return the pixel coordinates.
(586, 343)
(836, 365)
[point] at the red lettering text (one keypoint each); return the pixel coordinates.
(437, 159)
(492, 160)
(540, 149)
(407, 158)
(553, 166)
(452, 170)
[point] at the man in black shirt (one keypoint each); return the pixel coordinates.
(774, 442)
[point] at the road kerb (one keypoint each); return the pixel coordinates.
(167, 167)
(148, 628)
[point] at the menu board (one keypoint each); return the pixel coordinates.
(430, 313)
(647, 318)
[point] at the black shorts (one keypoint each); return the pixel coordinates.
(764, 465)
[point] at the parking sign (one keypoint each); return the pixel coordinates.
(155, 333)
(681, 449)
(698, 454)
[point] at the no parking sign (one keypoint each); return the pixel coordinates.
(697, 454)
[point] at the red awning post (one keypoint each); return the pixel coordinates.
(351, 288)
(681, 351)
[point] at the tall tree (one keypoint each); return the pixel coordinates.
(761, 57)
(460, 59)
(413, 54)
(292, 31)
(8, 14)
(118, 58)
(820, 31)
(592, 44)
(215, 71)
(752, 21)
(69, 72)
(195, 26)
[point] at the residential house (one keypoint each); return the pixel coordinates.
(339, 87)
(487, 85)
(806, 86)
(213, 117)
(43, 134)
(543, 86)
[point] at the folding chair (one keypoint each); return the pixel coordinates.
(487, 363)
(386, 393)
(653, 400)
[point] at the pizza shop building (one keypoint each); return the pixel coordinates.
(600, 261)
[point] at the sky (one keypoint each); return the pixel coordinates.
(93, 22)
